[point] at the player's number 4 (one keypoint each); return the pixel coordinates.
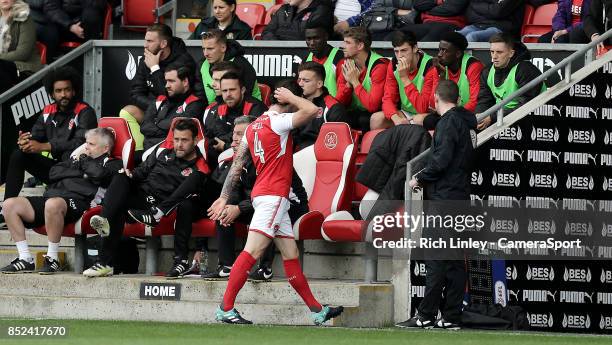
(259, 151)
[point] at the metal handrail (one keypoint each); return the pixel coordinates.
(499, 107)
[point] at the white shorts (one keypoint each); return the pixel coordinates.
(271, 217)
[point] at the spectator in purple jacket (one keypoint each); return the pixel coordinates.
(567, 23)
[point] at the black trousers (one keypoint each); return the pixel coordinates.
(20, 162)
(8, 75)
(121, 195)
(428, 32)
(446, 276)
(577, 35)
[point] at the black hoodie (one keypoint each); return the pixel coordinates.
(446, 175)
(234, 53)
(146, 86)
(237, 30)
(599, 18)
(525, 72)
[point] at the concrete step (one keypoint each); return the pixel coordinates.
(118, 298)
(161, 311)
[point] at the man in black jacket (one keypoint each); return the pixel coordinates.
(56, 133)
(178, 101)
(445, 177)
(510, 70)
(73, 185)
(290, 21)
(71, 20)
(311, 78)
(598, 21)
(217, 48)
(486, 18)
(145, 187)
(219, 117)
(160, 50)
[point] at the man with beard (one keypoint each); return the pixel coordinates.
(179, 101)
(219, 119)
(160, 50)
(58, 131)
(147, 186)
(320, 51)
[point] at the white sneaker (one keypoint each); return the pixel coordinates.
(100, 224)
(99, 270)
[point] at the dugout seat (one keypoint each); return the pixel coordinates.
(540, 23)
(364, 148)
(270, 12)
(327, 170)
(124, 150)
(139, 14)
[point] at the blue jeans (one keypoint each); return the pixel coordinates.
(475, 34)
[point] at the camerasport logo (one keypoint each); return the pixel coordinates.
(543, 180)
(505, 155)
(606, 184)
(606, 276)
(578, 228)
(540, 273)
(419, 269)
(580, 182)
(547, 110)
(540, 156)
(578, 205)
(540, 320)
(576, 321)
(539, 296)
(506, 179)
(605, 322)
(540, 202)
(581, 90)
(581, 136)
(541, 227)
(511, 273)
(507, 226)
(604, 298)
(477, 178)
(544, 134)
(576, 112)
(579, 158)
(577, 275)
(510, 133)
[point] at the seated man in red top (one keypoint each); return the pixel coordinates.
(408, 86)
(362, 81)
(455, 64)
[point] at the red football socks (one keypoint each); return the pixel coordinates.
(238, 276)
(300, 284)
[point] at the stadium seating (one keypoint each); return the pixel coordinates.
(270, 12)
(139, 14)
(42, 51)
(265, 93)
(540, 24)
(327, 170)
(251, 14)
(124, 150)
(364, 148)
